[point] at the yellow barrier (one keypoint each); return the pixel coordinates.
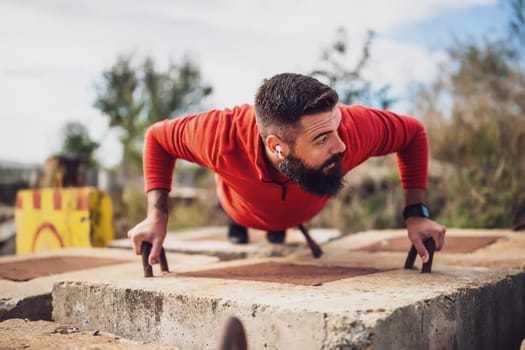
(53, 218)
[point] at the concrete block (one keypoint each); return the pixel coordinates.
(463, 247)
(26, 281)
(369, 302)
(213, 241)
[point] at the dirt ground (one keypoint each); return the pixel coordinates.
(18, 334)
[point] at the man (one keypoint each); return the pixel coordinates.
(277, 163)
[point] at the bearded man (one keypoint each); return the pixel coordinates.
(278, 162)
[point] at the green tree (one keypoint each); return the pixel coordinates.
(367, 202)
(78, 143)
(517, 24)
(335, 69)
(134, 97)
(480, 142)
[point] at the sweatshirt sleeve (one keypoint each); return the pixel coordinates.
(191, 138)
(380, 132)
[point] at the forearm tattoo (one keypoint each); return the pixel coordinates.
(160, 200)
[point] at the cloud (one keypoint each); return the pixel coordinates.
(53, 51)
(309, 17)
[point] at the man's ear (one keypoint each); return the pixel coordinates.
(272, 141)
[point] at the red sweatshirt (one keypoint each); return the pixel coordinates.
(251, 192)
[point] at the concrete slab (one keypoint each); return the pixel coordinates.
(213, 241)
(382, 306)
(26, 281)
(463, 247)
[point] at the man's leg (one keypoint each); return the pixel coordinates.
(276, 237)
(237, 234)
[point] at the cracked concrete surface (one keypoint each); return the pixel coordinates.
(470, 301)
(32, 299)
(430, 311)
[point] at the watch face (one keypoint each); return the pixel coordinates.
(420, 210)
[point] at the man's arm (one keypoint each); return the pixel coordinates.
(420, 228)
(371, 132)
(383, 132)
(164, 143)
(152, 229)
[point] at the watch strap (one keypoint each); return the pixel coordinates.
(418, 210)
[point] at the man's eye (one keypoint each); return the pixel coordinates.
(322, 140)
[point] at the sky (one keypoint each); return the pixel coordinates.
(53, 52)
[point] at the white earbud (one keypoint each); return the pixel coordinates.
(279, 152)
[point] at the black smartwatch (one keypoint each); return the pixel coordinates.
(419, 210)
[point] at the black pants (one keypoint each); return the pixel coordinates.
(239, 234)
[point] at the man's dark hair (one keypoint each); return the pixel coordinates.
(283, 99)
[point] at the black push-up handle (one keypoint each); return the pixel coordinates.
(145, 250)
(412, 254)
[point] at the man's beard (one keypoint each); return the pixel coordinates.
(315, 180)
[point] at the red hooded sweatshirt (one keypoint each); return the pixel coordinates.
(251, 191)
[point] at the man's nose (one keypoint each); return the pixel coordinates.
(338, 146)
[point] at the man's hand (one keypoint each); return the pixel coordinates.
(149, 230)
(420, 229)
(152, 229)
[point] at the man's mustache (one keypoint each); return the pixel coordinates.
(335, 158)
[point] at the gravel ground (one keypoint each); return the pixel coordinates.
(44, 335)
